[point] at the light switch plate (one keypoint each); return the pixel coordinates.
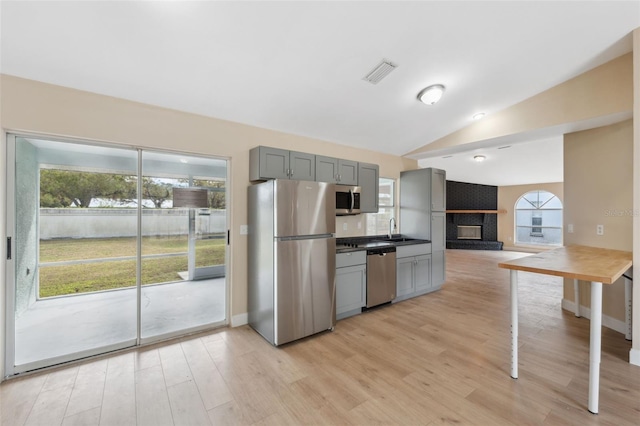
(244, 229)
(570, 228)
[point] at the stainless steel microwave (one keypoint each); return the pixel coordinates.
(347, 200)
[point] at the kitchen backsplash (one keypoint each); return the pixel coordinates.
(351, 226)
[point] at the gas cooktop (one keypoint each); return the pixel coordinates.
(365, 244)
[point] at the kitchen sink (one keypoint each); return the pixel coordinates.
(397, 239)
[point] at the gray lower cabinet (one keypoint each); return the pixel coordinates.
(438, 267)
(438, 231)
(335, 170)
(413, 271)
(438, 246)
(351, 283)
(274, 163)
(368, 180)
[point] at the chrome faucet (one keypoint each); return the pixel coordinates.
(393, 219)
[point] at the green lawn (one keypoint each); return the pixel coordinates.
(57, 280)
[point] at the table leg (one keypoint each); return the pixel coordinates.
(576, 296)
(594, 345)
(514, 324)
(627, 302)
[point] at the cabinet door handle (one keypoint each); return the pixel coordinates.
(290, 172)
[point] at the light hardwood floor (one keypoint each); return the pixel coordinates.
(438, 359)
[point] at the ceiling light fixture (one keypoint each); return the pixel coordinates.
(478, 116)
(479, 158)
(431, 94)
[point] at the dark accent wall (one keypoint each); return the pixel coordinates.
(461, 195)
(472, 196)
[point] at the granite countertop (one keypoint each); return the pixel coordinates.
(351, 244)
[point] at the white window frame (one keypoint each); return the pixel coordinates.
(373, 223)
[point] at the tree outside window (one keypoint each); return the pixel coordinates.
(539, 219)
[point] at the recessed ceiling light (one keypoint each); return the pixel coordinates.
(431, 94)
(478, 116)
(479, 158)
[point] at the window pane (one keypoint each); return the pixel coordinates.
(378, 223)
(539, 219)
(547, 236)
(386, 194)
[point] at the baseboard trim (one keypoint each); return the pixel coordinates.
(634, 357)
(240, 319)
(607, 321)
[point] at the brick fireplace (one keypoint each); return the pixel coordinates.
(472, 226)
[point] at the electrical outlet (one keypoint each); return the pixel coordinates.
(570, 228)
(599, 229)
(344, 226)
(359, 225)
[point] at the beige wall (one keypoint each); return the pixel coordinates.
(33, 107)
(598, 188)
(507, 198)
(603, 91)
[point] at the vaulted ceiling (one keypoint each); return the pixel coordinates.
(298, 67)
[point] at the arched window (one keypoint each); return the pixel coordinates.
(539, 219)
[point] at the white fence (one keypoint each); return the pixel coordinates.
(113, 222)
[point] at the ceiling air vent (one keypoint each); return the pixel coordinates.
(380, 71)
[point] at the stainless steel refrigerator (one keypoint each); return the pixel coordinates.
(292, 256)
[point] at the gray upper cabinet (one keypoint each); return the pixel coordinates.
(326, 169)
(302, 166)
(335, 170)
(273, 163)
(368, 180)
(438, 190)
(348, 172)
(422, 192)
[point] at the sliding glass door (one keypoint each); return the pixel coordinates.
(101, 257)
(183, 243)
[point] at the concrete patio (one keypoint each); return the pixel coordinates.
(78, 324)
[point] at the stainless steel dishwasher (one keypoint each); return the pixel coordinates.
(381, 275)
